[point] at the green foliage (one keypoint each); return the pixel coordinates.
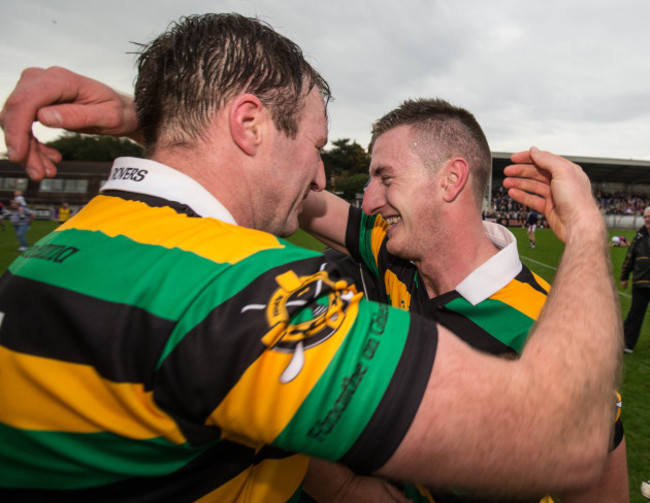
(343, 161)
(81, 147)
(348, 187)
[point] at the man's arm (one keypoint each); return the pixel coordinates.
(542, 423)
(325, 216)
(612, 487)
(59, 98)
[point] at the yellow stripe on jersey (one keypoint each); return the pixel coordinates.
(78, 400)
(265, 413)
(270, 481)
(523, 297)
(114, 216)
(377, 235)
(397, 292)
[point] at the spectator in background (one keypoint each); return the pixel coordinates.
(64, 213)
(19, 198)
(619, 241)
(21, 218)
(531, 223)
(637, 262)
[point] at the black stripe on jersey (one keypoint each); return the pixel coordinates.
(526, 276)
(463, 327)
(153, 201)
(394, 415)
(351, 239)
(386, 261)
(200, 476)
(223, 345)
(125, 344)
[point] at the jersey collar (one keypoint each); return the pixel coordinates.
(144, 176)
(497, 271)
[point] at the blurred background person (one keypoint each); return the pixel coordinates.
(637, 262)
(21, 218)
(531, 223)
(64, 213)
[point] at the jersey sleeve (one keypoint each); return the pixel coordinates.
(295, 358)
(619, 432)
(364, 238)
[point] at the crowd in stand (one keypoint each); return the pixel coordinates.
(509, 212)
(622, 203)
(506, 210)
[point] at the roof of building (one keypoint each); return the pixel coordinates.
(599, 169)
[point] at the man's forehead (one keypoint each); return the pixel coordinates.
(315, 111)
(379, 169)
(393, 151)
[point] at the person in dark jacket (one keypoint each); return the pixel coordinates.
(637, 262)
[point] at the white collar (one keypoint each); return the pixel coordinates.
(144, 176)
(497, 271)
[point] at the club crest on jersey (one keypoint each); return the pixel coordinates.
(294, 330)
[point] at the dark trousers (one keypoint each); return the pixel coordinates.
(634, 320)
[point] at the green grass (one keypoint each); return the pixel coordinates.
(301, 238)
(543, 260)
(636, 367)
(9, 244)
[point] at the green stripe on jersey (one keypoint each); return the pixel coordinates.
(365, 241)
(55, 460)
(493, 316)
(155, 278)
(236, 277)
(352, 386)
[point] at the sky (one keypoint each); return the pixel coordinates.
(569, 76)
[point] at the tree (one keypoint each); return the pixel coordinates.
(81, 147)
(344, 161)
(350, 186)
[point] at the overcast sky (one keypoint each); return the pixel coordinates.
(568, 76)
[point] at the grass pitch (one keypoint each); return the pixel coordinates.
(636, 366)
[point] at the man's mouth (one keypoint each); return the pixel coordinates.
(392, 220)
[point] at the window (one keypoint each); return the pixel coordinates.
(63, 185)
(13, 184)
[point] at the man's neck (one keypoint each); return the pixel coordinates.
(211, 167)
(453, 257)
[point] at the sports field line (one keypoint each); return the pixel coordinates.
(538, 263)
(542, 264)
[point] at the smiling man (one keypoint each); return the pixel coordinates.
(422, 236)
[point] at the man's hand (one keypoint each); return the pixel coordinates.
(624, 284)
(331, 482)
(59, 98)
(556, 187)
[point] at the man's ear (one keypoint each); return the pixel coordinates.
(455, 175)
(246, 116)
